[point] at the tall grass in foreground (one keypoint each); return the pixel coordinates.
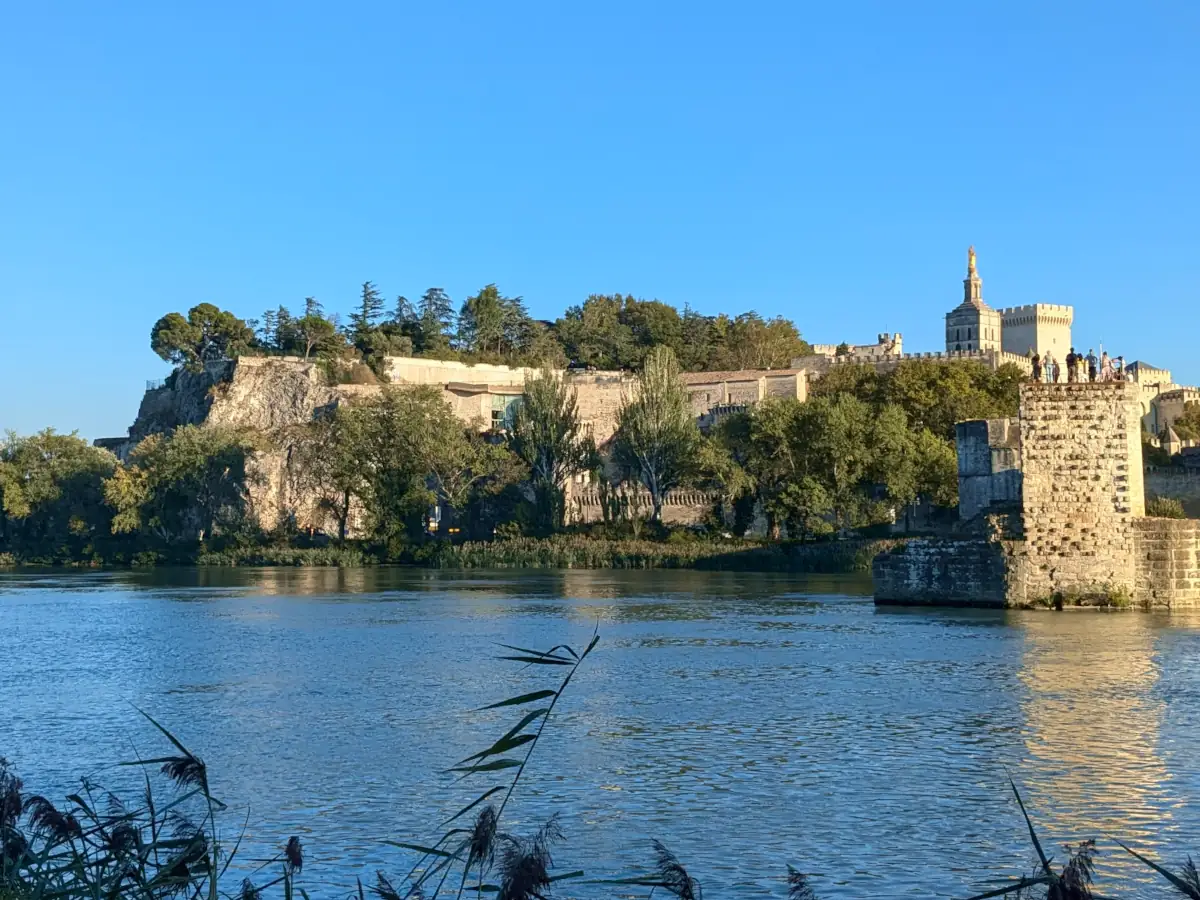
(98, 847)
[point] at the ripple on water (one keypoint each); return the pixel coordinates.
(748, 721)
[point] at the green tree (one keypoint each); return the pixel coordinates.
(696, 341)
(185, 487)
(933, 394)
(330, 454)
(657, 437)
(652, 323)
(547, 437)
(51, 496)
(368, 313)
(206, 335)
(315, 333)
(436, 318)
(481, 322)
(1187, 426)
(751, 342)
(594, 334)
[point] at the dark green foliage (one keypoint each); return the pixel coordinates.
(657, 441)
(207, 334)
(616, 332)
(577, 551)
(52, 497)
(835, 462)
(184, 488)
(367, 313)
(1072, 882)
(1187, 426)
(933, 395)
(1165, 508)
(546, 436)
(1152, 454)
(435, 323)
(605, 331)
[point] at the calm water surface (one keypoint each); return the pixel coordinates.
(746, 720)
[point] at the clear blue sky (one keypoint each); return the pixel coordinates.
(828, 162)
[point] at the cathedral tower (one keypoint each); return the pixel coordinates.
(972, 325)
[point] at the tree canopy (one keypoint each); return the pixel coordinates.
(606, 331)
(657, 437)
(206, 335)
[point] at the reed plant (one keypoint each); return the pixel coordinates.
(96, 846)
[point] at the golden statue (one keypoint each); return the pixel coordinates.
(971, 260)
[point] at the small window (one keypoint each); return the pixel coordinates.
(968, 333)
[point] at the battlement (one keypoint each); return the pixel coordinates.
(992, 358)
(1057, 309)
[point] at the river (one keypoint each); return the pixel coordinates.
(748, 721)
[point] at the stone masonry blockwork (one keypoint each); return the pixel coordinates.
(1084, 532)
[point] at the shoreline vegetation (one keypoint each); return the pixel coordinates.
(96, 844)
(396, 477)
(561, 551)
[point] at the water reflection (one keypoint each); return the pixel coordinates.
(1092, 729)
(748, 720)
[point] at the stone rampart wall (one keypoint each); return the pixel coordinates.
(989, 465)
(938, 572)
(681, 507)
(1168, 562)
(1177, 483)
(993, 359)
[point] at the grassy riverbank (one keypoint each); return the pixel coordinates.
(563, 551)
(579, 552)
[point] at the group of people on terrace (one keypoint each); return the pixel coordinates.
(1079, 368)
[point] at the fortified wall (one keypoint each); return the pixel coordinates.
(1079, 532)
(993, 359)
(275, 395)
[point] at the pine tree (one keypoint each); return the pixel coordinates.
(405, 313)
(370, 308)
(436, 320)
(268, 329)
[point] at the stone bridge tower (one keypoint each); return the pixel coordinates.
(1082, 487)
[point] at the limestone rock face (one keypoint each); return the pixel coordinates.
(261, 393)
(269, 394)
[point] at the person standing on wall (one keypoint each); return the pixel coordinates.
(1072, 362)
(1106, 372)
(1091, 364)
(1036, 361)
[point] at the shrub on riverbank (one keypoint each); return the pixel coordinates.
(563, 551)
(577, 552)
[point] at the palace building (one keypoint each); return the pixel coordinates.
(1035, 328)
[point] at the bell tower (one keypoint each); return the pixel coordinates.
(972, 325)
(972, 284)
